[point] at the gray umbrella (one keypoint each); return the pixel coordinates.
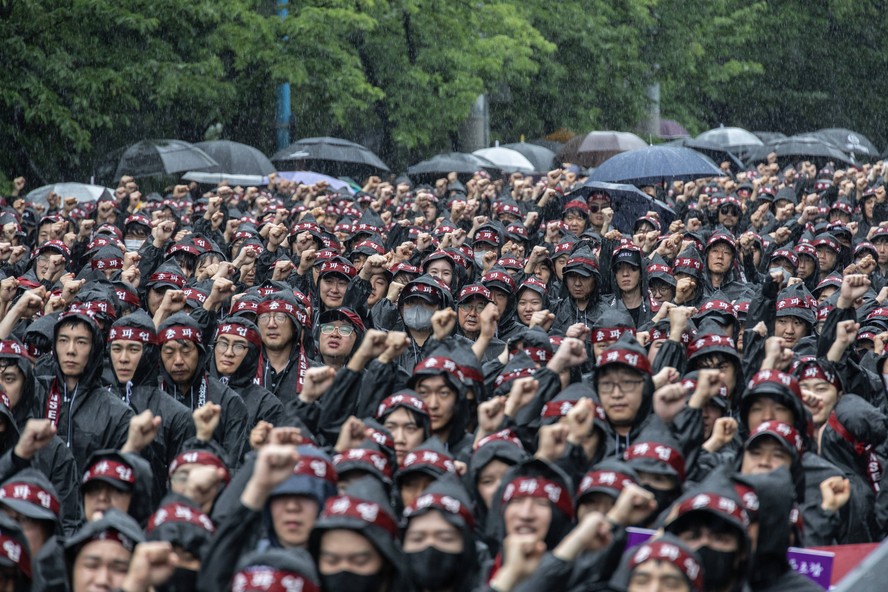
(161, 157)
(849, 141)
(236, 158)
(81, 191)
(452, 162)
(315, 151)
(541, 157)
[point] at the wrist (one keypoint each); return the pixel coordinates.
(254, 496)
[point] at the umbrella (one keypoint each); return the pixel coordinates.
(236, 158)
(552, 145)
(730, 137)
(452, 162)
(541, 157)
(654, 165)
(81, 191)
(162, 157)
(231, 179)
(850, 141)
(596, 147)
(717, 154)
(769, 136)
(508, 160)
(310, 178)
(628, 202)
(797, 148)
(671, 130)
(331, 155)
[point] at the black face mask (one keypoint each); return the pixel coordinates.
(664, 498)
(433, 569)
(718, 567)
(352, 582)
(182, 580)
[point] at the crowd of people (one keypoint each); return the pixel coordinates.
(475, 384)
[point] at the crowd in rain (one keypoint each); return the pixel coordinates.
(475, 383)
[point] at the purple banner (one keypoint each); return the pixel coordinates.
(816, 565)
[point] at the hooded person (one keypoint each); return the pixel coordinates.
(712, 348)
(28, 496)
(235, 362)
(339, 333)
(532, 296)
(417, 303)
(601, 486)
(625, 392)
(849, 440)
(492, 458)
(438, 383)
(86, 416)
(168, 276)
(502, 288)
(661, 283)
(664, 562)
(688, 272)
(406, 417)
(660, 467)
(629, 283)
(276, 569)
(108, 541)
(582, 286)
(795, 316)
(359, 523)
(182, 524)
(721, 268)
(769, 568)
(439, 545)
(809, 264)
(121, 480)
(421, 467)
(131, 376)
(284, 324)
(184, 376)
(15, 557)
(610, 325)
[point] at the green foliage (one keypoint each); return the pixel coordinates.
(85, 77)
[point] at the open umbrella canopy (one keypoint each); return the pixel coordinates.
(508, 160)
(849, 141)
(324, 154)
(452, 162)
(730, 137)
(310, 178)
(717, 154)
(654, 165)
(628, 202)
(596, 147)
(671, 130)
(149, 158)
(82, 191)
(797, 148)
(541, 157)
(236, 158)
(231, 179)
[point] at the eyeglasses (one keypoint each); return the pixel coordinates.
(343, 330)
(606, 387)
(469, 307)
(594, 208)
(266, 317)
(729, 211)
(238, 347)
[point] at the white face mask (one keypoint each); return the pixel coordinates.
(134, 244)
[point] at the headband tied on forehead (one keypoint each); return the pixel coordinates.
(363, 510)
(121, 333)
(268, 579)
(671, 553)
(200, 457)
(31, 493)
(606, 334)
(539, 487)
(446, 503)
(179, 333)
(238, 330)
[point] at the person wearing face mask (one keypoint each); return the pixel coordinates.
(417, 303)
(439, 547)
(179, 522)
(276, 569)
(660, 468)
(136, 230)
(354, 542)
(665, 563)
(712, 521)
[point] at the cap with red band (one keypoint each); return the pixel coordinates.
(438, 501)
(166, 277)
(110, 470)
(718, 504)
(428, 458)
(782, 431)
(604, 480)
(365, 456)
(338, 267)
(31, 493)
(200, 457)
(408, 401)
(501, 277)
(539, 487)
(660, 550)
(775, 377)
(507, 436)
(17, 553)
(269, 579)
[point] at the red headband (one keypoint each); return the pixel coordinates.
(167, 277)
(671, 553)
(787, 381)
(808, 369)
(499, 276)
(428, 458)
(338, 267)
(365, 511)
(120, 333)
(102, 264)
(606, 479)
(14, 551)
(283, 306)
(447, 503)
(557, 408)
(501, 436)
(658, 452)
(128, 297)
(179, 332)
(717, 503)
(539, 487)
(781, 430)
(402, 400)
(628, 357)
(268, 579)
(365, 456)
(110, 469)
(514, 375)
(236, 329)
(176, 512)
(31, 493)
(315, 467)
(687, 262)
(707, 341)
(609, 333)
(200, 457)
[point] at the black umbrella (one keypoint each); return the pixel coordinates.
(236, 158)
(161, 157)
(717, 154)
(849, 141)
(452, 162)
(541, 157)
(628, 202)
(654, 165)
(797, 148)
(330, 156)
